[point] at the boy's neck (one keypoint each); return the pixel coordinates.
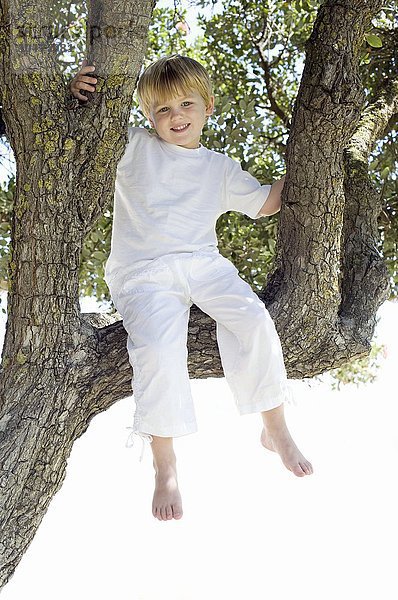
(179, 145)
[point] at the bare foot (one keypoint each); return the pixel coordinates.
(166, 503)
(282, 443)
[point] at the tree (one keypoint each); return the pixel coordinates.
(60, 367)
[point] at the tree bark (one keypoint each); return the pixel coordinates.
(364, 282)
(66, 160)
(304, 292)
(60, 368)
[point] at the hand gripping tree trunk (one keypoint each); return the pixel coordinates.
(61, 368)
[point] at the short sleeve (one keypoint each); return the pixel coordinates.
(242, 191)
(132, 132)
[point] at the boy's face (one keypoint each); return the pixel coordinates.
(180, 120)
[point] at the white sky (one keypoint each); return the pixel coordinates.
(250, 528)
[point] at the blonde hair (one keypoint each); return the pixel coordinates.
(172, 76)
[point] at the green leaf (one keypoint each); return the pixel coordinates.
(373, 40)
(99, 255)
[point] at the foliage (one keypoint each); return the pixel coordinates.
(68, 23)
(358, 371)
(255, 54)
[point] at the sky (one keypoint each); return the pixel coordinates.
(250, 528)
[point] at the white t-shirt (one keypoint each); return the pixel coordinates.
(168, 199)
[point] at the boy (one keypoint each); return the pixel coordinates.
(169, 193)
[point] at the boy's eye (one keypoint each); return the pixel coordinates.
(166, 108)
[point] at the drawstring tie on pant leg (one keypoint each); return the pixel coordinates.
(145, 437)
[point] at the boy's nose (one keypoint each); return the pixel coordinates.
(175, 112)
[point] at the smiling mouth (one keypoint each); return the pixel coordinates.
(180, 128)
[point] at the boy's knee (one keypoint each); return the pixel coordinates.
(163, 350)
(258, 316)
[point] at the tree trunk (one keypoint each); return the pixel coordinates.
(66, 159)
(304, 292)
(60, 368)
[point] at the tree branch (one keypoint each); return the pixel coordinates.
(326, 113)
(364, 275)
(374, 120)
(109, 376)
(270, 90)
(116, 40)
(64, 160)
(274, 106)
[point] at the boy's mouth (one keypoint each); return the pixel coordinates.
(180, 128)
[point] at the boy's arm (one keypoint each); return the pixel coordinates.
(273, 202)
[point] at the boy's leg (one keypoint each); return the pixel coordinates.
(275, 436)
(155, 315)
(250, 352)
(166, 502)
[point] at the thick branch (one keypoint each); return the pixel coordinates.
(374, 120)
(364, 275)
(306, 275)
(66, 163)
(109, 377)
(26, 36)
(27, 70)
(116, 41)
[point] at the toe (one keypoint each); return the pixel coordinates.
(177, 512)
(298, 470)
(169, 513)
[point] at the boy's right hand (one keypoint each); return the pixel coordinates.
(83, 82)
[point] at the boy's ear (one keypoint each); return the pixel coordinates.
(150, 121)
(210, 107)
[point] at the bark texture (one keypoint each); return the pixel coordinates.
(60, 368)
(365, 277)
(66, 158)
(304, 292)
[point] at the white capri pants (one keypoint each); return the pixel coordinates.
(155, 302)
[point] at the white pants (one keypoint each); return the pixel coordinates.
(155, 302)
